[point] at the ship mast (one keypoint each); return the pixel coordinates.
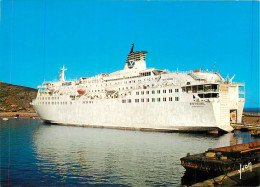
(62, 74)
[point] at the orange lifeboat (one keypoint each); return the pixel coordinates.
(80, 91)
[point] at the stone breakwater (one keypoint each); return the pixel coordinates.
(18, 114)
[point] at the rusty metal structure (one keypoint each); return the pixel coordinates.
(223, 159)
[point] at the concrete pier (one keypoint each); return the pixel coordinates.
(248, 177)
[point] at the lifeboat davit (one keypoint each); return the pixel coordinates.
(80, 91)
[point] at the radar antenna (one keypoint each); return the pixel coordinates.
(213, 66)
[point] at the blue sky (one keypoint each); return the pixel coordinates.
(91, 37)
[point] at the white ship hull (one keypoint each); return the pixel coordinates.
(153, 116)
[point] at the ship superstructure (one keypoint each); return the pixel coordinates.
(143, 98)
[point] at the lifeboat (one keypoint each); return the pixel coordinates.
(80, 91)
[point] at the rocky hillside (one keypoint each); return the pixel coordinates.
(16, 98)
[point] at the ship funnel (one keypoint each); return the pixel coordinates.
(135, 60)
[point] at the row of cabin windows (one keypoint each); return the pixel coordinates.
(61, 103)
(54, 103)
(87, 102)
(125, 82)
(158, 91)
(48, 98)
(137, 93)
(164, 99)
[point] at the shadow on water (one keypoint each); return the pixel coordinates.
(192, 177)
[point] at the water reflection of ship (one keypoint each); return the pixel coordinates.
(93, 153)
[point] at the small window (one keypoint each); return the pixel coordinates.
(170, 90)
(164, 99)
(137, 100)
(147, 100)
(142, 92)
(147, 92)
(176, 98)
(176, 90)
(129, 100)
(142, 100)
(153, 99)
(170, 98)
(158, 99)
(153, 92)
(137, 93)
(158, 91)
(164, 91)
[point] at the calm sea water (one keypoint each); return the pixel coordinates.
(51, 155)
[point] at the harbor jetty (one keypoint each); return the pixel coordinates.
(19, 114)
(251, 123)
(248, 178)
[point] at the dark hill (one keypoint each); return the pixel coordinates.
(16, 98)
